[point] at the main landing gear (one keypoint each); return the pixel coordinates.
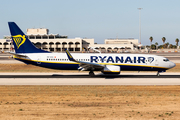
(158, 74)
(91, 73)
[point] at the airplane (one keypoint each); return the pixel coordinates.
(107, 63)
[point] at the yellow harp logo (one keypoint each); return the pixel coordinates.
(19, 40)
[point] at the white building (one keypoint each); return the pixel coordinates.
(117, 45)
(57, 43)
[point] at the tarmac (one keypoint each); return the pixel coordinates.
(85, 79)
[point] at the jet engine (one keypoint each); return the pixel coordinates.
(111, 69)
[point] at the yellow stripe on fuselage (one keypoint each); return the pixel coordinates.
(96, 63)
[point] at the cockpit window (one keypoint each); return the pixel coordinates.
(165, 60)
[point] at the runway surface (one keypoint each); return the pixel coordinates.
(87, 76)
(85, 79)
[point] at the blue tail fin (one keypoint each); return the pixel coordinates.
(21, 42)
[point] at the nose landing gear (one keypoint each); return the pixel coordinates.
(160, 72)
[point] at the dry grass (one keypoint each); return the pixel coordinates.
(86, 102)
(89, 102)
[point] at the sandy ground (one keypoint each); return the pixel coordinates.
(89, 102)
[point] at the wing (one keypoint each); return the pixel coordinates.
(85, 65)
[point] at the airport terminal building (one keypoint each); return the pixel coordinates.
(58, 43)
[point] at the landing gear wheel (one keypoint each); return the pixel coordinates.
(91, 73)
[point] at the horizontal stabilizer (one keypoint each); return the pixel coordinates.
(13, 53)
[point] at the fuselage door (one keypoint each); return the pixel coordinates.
(38, 59)
(156, 62)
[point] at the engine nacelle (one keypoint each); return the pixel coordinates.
(111, 69)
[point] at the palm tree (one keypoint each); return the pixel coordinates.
(170, 46)
(151, 39)
(177, 40)
(163, 39)
(167, 44)
(156, 45)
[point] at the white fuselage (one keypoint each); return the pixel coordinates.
(125, 61)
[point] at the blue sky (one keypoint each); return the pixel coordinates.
(98, 19)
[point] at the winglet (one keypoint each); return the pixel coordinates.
(69, 55)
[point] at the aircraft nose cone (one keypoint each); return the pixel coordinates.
(172, 65)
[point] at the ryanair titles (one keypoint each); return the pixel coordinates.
(117, 59)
